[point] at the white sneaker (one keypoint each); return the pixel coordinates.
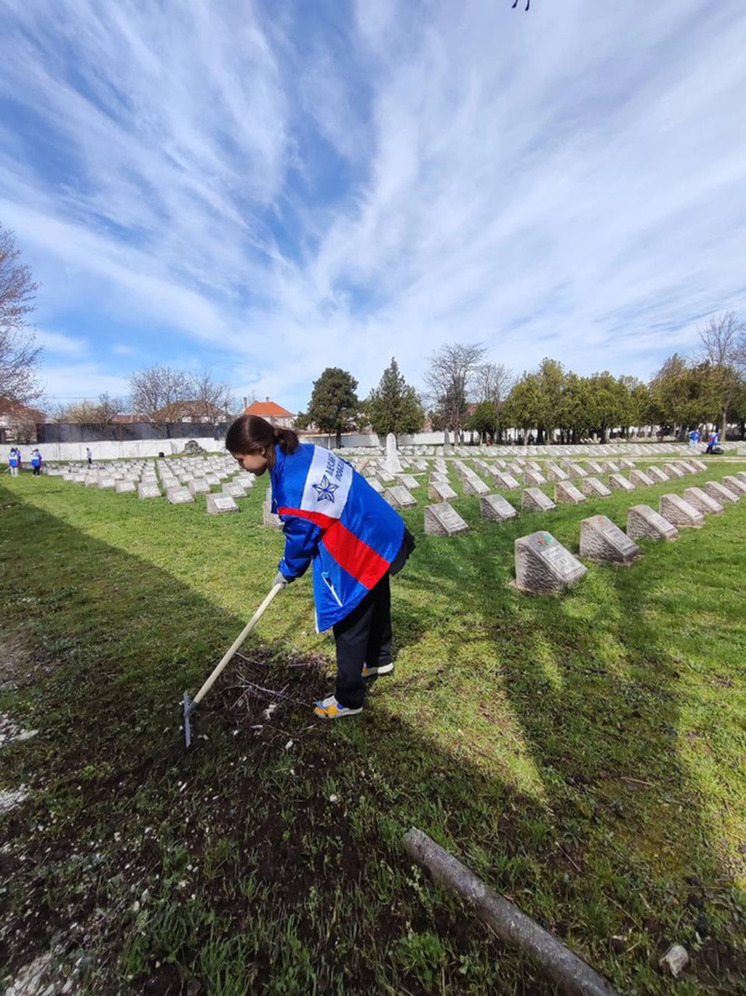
(369, 672)
(329, 708)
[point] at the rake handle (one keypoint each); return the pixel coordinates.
(235, 646)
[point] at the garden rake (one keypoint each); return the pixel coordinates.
(190, 704)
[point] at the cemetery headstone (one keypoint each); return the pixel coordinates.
(443, 520)
(601, 539)
(703, 502)
(640, 477)
(234, 490)
(575, 471)
(643, 522)
(440, 491)
(474, 485)
(555, 473)
(199, 487)
(736, 485)
(720, 492)
(544, 565)
(148, 491)
(408, 481)
(534, 500)
(393, 464)
(219, 504)
(495, 508)
(699, 464)
(534, 478)
(507, 481)
(678, 511)
(672, 470)
(657, 474)
(269, 519)
(107, 483)
(618, 482)
(179, 496)
(594, 488)
(565, 493)
(123, 487)
(399, 497)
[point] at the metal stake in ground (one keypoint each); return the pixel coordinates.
(190, 704)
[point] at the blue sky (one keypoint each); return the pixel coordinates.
(268, 188)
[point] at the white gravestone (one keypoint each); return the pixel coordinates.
(703, 502)
(640, 477)
(626, 464)
(643, 522)
(736, 485)
(678, 511)
(594, 488)
(672, 470)
(507, 481)
(443, 520)
(534, 478)
(393, 464)
(234, 490)
(122, 487)
(595, 468)
(408, 481)
(148, 491)
(199, 487)
(474, 485)
(219, 504)
(179, 496)
(699, 464)
(399, 497)
(611, 467)
(440, 491)
(741, 475)
(575, 471)
(107, 483)
(269, 519)
(495, 508)
(245, 479)
(534, 500)
(376, 485)
(555, 473)
(601, 539)
(565, 493)
(544, 565)
(618, 482)
(657, 474)
(720, 493)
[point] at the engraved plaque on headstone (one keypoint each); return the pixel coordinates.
(640, 477)
(688, 468)
(555, 473)
(245, 479)
(148, 491)
(575, 471)
(507, 481)
(108, 483)
(495, 508)
(677, 510)
(594, 488)
(565, 493)
(595, 467)
(619, 482)
(122, 487)
(443, 520)
(219, 504)
(407, 480)
(658, 475)
(474, 485)
(626, 464)
(543, 565)
(721, 493)
(234, 490)
(601, 539)
(611, 467)
(399, 497)
(672, 470)
(643, 522)
(535, 500)
(199, 487)
(440, 491)
(534, 478)
(179, 496)
(706, 504)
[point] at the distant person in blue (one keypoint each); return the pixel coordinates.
(712, 441)
(694, 439)
(354, 541)
(14, 461)
(36, 462)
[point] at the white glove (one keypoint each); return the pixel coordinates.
(281, 580)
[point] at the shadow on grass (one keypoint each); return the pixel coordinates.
(254, 864)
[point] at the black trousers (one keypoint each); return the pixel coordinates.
(363, 637)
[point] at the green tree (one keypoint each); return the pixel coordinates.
(551, 383)
(393, 406)
(334, 405)
(483, 420)
(522, 408)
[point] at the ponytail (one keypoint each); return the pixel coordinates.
(250, 434)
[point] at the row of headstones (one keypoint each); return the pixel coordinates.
(579, 451)
(542, 564)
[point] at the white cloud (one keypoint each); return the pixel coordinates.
(64, 345)
(566, 182)
(121, 350)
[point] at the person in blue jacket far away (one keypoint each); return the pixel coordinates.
(335, 522)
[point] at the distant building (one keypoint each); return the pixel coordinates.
(191, 411)
(275, 414)
(18, 422)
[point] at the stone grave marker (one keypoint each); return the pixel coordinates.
(555, 473)
(198, 487)
(507, 481)
(611, 467)
(407, 480)
(601, 539)
(699, 464)
(679, 512)
(626, 464)
(736, 485)
(179, 496)
(686, 467)
(658, 475)
(575, 471)
(107, 483)
(643, 522)
(741, 475)
(565, 493)
(595, 468)
(703, 502)
(534, 478)
(269, 519)
(123, 487)
(638, 477)
(245, 479)
(212, 479)
(672, 470)
(399, 497)
(594, 488)
(495, 508)
(474, 485)
(393, 464)
(234, 490)
(443, 520)
(618, 482)
(544, 565)
(440, 491)
(91, 480)
(720, 492)
(376, 485)
(220, 504)
(534, 500)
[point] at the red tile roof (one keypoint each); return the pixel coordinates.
(267, 409)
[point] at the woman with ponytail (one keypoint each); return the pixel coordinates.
(335, 522)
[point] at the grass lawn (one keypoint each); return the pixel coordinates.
(584, 754)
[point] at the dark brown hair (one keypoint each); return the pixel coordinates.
(250, 433)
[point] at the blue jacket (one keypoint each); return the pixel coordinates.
(333, 519)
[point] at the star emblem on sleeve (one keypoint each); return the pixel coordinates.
(325, 490)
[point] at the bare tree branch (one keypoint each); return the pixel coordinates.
(19, 352)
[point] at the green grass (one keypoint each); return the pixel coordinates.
(583, 753)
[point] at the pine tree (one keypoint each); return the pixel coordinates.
(334, 405)
(393, 406)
